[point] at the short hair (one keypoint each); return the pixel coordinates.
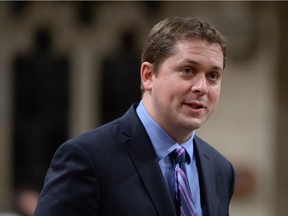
(162, 38)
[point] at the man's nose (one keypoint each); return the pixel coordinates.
(199, 85)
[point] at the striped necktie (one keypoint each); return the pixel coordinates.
(184, 198)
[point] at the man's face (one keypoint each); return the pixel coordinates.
(186, 89)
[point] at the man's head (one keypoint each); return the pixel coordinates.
(181, 73)
(164, 35)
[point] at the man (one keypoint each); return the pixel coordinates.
(127, 167)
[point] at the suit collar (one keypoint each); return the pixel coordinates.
(141, 152)
(206, 177)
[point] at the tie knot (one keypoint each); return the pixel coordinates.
(180, 155)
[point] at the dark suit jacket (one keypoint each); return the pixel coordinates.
(113, 170)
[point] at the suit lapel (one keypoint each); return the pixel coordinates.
(206, 178)
(142, 154)
(148, 169)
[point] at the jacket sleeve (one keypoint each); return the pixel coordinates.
(71, 186)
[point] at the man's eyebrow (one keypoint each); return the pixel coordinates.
(189, 61)
(218, 68)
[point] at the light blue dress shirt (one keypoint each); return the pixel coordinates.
(164, 144)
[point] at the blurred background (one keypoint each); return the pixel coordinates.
(68, 67)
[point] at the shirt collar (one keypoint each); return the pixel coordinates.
(162, 142)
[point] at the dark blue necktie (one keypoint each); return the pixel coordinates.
(184, 198)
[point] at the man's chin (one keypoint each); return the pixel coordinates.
(193, 125)
(196, 123)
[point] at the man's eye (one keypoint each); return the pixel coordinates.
(187, 70)
(214, 76)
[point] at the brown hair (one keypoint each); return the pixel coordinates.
(159, 44)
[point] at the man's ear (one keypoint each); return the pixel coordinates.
(147, 72)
